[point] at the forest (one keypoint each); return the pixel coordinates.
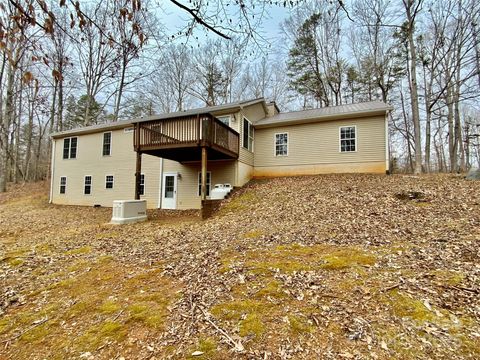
(66, 64)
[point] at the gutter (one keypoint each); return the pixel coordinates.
(313, 119)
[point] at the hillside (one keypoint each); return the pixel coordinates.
(330, 267)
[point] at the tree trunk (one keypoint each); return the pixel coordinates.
(413, 86)
(7, 120)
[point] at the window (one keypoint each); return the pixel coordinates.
(348, 139)
(142, 184)
(109, 182)
(87, 188)
(70, 148)
(247, 135)
(63, 185)
(209, 182)
(224, 119)
(107, 144)
(281, 144)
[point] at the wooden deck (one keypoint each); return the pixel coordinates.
(182, 138)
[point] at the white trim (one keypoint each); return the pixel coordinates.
(60, 185)
(275, 143)
(91, 185)
(70, 148)
(253, 137)
(103, 142)
(113, 182)
(340, 139)
(52, 170)
(175, 185)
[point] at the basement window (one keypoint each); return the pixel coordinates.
(209, 183)
(107, 144)
(109, 182)
(70, 148)
(281, 144)
(142, 184)
(87, 187)
(63, 184)
(348, 139)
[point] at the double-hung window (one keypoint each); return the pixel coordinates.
(109, 182)
(70, 148)
(281, 144)
(87, 187)
(107, 144)
(348, 139)
(247, 135)
(63, 184)
(209, 182)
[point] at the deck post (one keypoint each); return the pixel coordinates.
(204, 173)
(138, 172)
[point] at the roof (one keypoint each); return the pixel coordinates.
(217, 109)
(324, 114)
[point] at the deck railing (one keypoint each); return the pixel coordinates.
(188, 131)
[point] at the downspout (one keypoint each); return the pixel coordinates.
(160, 185)
(52, 170)
(387, 145)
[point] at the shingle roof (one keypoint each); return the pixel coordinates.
(326, 113)
(125, 123)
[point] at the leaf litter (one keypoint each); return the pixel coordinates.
(332, 266)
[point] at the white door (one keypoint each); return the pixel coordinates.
(169, 191)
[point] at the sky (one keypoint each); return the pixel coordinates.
(175, 18)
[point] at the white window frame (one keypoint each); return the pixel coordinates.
(84, 184)
(275, 144)
(209, 184)
(113, 182)
(110, 145)
(340, 139)
(60, 185)
(70, 148)
(226, 116)
(252, 137)
(142, 183)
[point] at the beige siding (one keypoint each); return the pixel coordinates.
(187, 185)
(89, 161)
(244, 173)
(318, 144)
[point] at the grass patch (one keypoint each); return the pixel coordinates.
(109, 307)
(207, 346)
(448, 277)
(345, 258)
(96, 335)
(79, 251)
(251, 326)
(239, 202)
(299, 325)
(405, 306)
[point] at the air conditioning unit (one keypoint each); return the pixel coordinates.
(129, 211)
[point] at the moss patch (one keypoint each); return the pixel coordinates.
(79, 251)
(252, 325)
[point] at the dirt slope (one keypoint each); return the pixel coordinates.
(338, 266)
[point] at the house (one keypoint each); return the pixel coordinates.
(173, 160)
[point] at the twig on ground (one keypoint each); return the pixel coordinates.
(24, 332)
(237, 345)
